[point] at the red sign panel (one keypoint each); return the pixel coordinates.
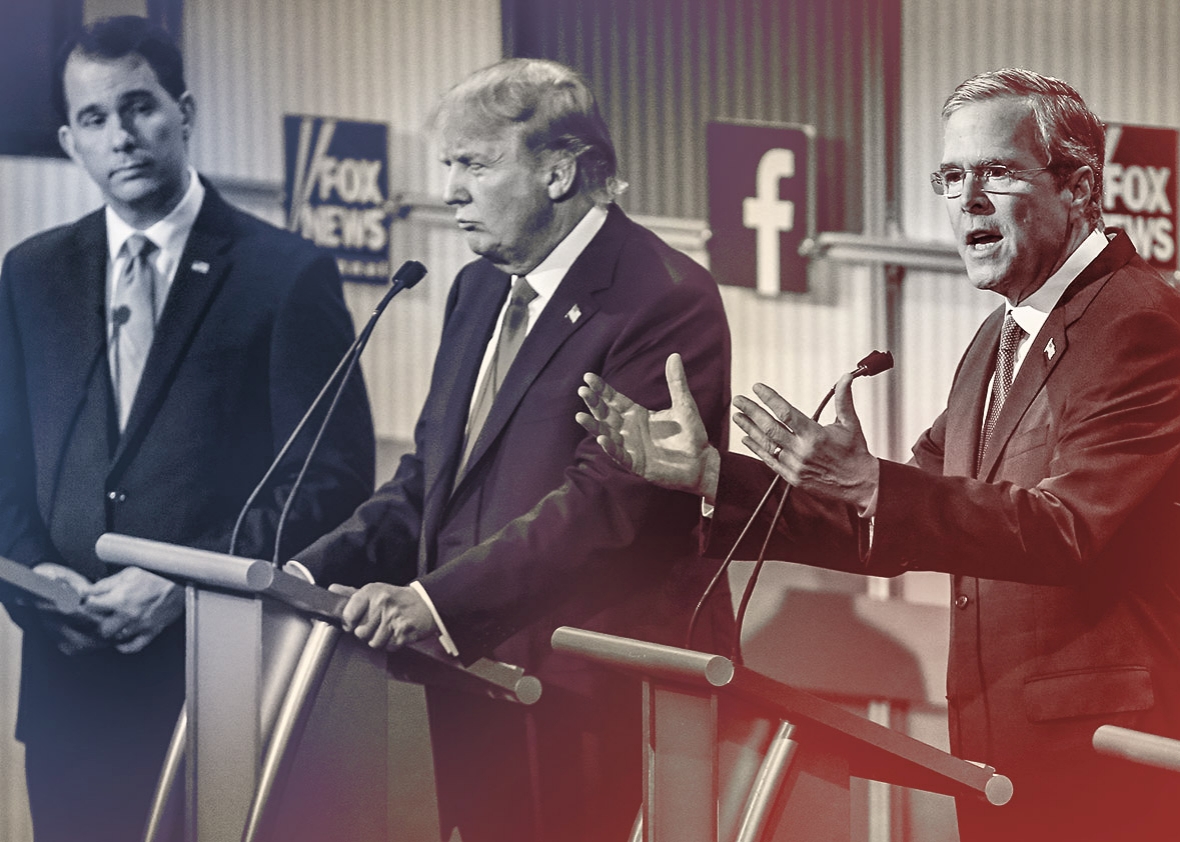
(761, 204)
(1139, 190)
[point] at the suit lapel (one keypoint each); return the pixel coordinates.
(199, 275)
(965, 404)
(479, 308)
(1038, 363)
(77, 338)
(572, 306)
(1051, 344)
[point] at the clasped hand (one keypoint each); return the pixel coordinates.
(126, 610)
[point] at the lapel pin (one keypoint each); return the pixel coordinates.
(1050, 348)
(574, 313)
(201, 266)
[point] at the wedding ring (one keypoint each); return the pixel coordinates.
(777, 450)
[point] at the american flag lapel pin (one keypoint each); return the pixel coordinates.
(1050, 349)
(574, 314)
(200, 267)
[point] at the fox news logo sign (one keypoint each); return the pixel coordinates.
(1139, 190)
(761, 204)
(336, 191)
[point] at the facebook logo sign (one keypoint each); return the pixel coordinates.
(760, 204)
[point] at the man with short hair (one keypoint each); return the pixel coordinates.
(506, 521)
(154, 357)
(1048, 488)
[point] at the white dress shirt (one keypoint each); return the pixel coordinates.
(169, 235)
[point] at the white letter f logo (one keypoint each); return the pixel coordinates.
(769, 215)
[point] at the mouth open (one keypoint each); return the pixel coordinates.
(981, 239)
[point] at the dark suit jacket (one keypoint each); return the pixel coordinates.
(253, 325)
(542, 529)
(1065, 550)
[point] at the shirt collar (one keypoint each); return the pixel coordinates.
(550, 271)
(1031, 313)
(170, 233)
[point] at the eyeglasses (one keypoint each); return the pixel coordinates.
(992, 178)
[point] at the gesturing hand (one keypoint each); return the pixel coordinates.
(831, 461)
(669, 448)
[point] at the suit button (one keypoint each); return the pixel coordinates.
(116, 496)
(961, 601)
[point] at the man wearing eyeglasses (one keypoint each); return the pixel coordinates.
(1049, 487)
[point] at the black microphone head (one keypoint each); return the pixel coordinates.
(409, 274)
(874, 363)
(120, 315)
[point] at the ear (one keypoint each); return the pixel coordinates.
(563, 174)
(1081, 188)
(65, 139)
(188, 112)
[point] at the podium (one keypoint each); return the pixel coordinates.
(730, 755)
(284, 733)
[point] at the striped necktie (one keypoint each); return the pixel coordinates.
(1010, 336)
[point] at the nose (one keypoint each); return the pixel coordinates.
(122, 133)
(455, 189)
(973, 199)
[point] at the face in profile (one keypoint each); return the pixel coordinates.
(500, 192)
(128, 133)
(1011, 241)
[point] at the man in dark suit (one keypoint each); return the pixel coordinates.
(1048, 488)
(153, 416)
(506, 520)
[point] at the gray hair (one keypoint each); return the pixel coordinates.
(1069, 133)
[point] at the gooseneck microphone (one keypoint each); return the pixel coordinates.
(873, 364)
(407, 276)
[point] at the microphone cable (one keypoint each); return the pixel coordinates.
(873, 364)
(407, 276)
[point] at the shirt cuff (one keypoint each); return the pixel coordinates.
(444, 637)
(296, 568)
(870, 515)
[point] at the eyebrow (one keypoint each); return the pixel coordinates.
(124, 99)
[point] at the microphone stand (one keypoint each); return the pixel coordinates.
(873, 364)
(407, 276)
